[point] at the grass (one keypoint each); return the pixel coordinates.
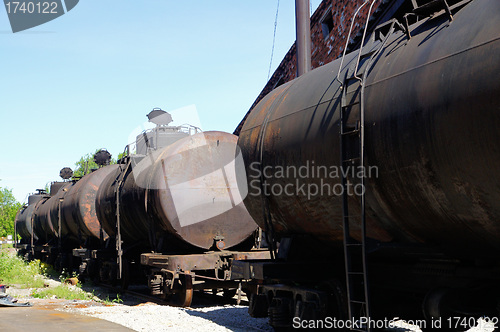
(15, 271)
(118, 299)
(62, 292)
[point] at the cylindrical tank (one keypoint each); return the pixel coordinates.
(47, 215)
(182, 196)
(431, 132)
(78, 208)
(23, 220)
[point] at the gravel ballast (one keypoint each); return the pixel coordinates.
(155, 318)
(138, 315)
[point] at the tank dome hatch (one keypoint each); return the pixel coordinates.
(159, 117)
(102, 157)
(66, 173)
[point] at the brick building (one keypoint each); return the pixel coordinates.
(330, 25)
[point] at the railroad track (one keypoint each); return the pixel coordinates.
(205, 297)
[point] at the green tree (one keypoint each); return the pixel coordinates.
(86, 164)
(8, 209)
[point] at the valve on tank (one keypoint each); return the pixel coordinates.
(219, 242)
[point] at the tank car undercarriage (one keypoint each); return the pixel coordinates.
(415, 283)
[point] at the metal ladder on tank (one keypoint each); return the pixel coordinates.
(352, 147)
(119, 242)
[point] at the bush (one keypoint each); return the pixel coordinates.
(15, 271)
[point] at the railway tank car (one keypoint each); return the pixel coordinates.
(50, 245)
(163, 199)
(74, 212)
(64, 219)
(78, 209)
(24, 222)
(172, 210)
(45, 229)
(174, 207)
(426, 100)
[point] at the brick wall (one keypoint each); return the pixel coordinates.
(330, 25)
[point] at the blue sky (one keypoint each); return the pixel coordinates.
(87, 79)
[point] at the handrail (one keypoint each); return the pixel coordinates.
(349, 36)
(363, 41)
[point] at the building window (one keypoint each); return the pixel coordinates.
(327, 23)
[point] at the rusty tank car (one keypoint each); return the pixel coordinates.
(177, 198)
(416, 109)
(23, 222)
(78, 209)
(171, 209)
(183, 197)
(46, 224)
(64, 219)
(46, 217)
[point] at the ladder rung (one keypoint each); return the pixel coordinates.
(351, 104)
(367, 54)
(351, 78)
(352, 215)
(429, 7)
(354, 251)
(351, 160)
(351, 132)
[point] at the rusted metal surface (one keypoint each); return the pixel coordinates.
(176, 276)
(23, 223)
(47, 215)
(26, 224)
(183, 196)
(42, 227)
(78, 208)
(431, 115)
(196, 262)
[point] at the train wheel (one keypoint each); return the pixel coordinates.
(183, 297)
(107, 273)
(186, 294)
(258, 306)
(229, 293)
(337, 299)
